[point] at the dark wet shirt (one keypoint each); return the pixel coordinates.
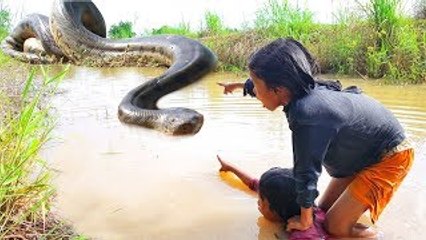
(342, 131)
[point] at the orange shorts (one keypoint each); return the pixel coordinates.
(375, 185)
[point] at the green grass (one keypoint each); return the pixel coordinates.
(25, 178)
(385, 18)
(375, 41)
(4, 59)
(182, 28)
(385, 44)
(214, 24)
(278, 18)
(408, 60)
(124, 29)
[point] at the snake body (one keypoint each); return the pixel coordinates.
(33, 26)
(78, 31)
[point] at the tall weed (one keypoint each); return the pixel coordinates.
(25, 190)
(182, 28)
(214, 23)
(277, 18)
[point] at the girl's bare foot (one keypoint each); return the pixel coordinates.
(363, 231)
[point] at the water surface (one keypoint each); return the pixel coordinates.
(117, 181)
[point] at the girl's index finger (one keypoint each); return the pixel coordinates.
(220, 160)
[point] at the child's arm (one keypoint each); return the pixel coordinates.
(230, 87)
(247, 86)
(248, 180)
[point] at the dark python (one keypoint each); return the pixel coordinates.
(77, 34)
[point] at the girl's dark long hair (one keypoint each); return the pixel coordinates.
(278, 186)
(287, 63)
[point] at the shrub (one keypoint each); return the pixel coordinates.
(121, 30)
(279, 19)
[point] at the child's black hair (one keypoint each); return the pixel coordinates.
(285, 62)
(278, 186)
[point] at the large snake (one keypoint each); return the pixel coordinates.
(78, 30)
(42, 49)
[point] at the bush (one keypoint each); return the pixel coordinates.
(182, 29)
(214, 23)
(234, 49)
(121, 30)
(408, 58)
(279, 19)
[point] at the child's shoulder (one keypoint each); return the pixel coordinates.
(311, 105)
(321, 106)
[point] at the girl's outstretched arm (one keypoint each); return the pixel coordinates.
(247, 86)
(248, 180)
(230, 87)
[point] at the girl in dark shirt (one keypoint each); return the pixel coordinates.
(355, 138)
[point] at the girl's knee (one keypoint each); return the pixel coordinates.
(336, 228)
(339, 230)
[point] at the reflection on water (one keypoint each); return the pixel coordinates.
(122, 182)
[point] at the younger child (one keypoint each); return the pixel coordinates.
(277, 198)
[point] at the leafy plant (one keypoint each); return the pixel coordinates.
(279, 19)
(182, 29)
(121, 30)
(25, 190)
(214, 23)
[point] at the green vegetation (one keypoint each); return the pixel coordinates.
(278, 18)
(376, 40)
(25, 178)
(384, 44)
(214, 24)
(381, 43)
(26, 192)
(181, 29)
(122, 30)
(383, 15)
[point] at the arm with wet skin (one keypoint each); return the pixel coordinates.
(247, 86)
(230, 87)
(246, 178)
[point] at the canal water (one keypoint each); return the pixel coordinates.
(117, 181)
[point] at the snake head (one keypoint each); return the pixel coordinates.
(181, 121)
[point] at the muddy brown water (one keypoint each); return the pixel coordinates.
(117, 181)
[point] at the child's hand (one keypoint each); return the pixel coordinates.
(224, 166)
(294, 223)
(229, 87)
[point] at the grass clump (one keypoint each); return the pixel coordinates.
(124, 29)
(277, 18)
(182, 28)
(25, 178)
